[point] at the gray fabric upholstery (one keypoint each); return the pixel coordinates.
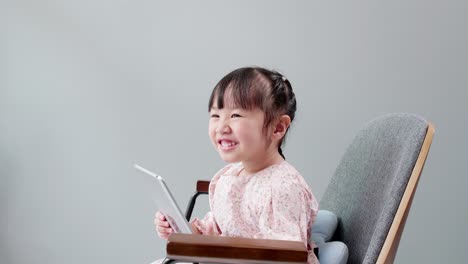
(368, 184)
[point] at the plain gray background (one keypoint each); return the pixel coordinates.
(87, 88)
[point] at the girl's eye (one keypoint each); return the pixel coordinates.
(235, 115)
(214, 115)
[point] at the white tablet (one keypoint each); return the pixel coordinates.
(160, 194)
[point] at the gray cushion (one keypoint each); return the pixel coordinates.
(324, 226)
(334, 252)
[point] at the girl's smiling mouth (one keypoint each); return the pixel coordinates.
(226, 144)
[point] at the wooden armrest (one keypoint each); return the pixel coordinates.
(219, 249)
(202, 186)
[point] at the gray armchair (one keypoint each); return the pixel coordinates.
(367, 201)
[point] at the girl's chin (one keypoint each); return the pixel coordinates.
(227, 158)
(230, 160)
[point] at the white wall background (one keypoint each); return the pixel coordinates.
(89, 87)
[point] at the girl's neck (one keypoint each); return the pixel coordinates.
(251, 167)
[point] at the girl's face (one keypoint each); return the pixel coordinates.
(237, 134)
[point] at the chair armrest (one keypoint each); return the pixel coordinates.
(202, 186)
(219, 249)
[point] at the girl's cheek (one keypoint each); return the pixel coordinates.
(245, 133)
(211, 130)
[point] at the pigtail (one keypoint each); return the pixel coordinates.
(285, 100)
(281, 152)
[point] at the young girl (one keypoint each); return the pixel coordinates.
(258, 194)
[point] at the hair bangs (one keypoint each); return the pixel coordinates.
(243, 88)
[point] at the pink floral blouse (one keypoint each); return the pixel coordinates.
(274, 203)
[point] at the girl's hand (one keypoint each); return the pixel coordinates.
(163, 228)
(195, 229)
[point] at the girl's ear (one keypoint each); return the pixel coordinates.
(281, 126)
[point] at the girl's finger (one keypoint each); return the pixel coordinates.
(165, 230)
(159, 215)
(163, 224)
(163, 235)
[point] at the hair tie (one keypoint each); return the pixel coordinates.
(284, 78)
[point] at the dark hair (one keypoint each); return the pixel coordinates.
(255, 87)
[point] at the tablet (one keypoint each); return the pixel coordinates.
(160, 194)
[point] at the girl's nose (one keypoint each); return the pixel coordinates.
(222, 129)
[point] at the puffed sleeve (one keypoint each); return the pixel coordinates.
(287, 213)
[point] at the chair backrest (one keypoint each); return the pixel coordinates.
(367, 188)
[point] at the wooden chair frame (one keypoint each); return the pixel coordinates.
(390, 246)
